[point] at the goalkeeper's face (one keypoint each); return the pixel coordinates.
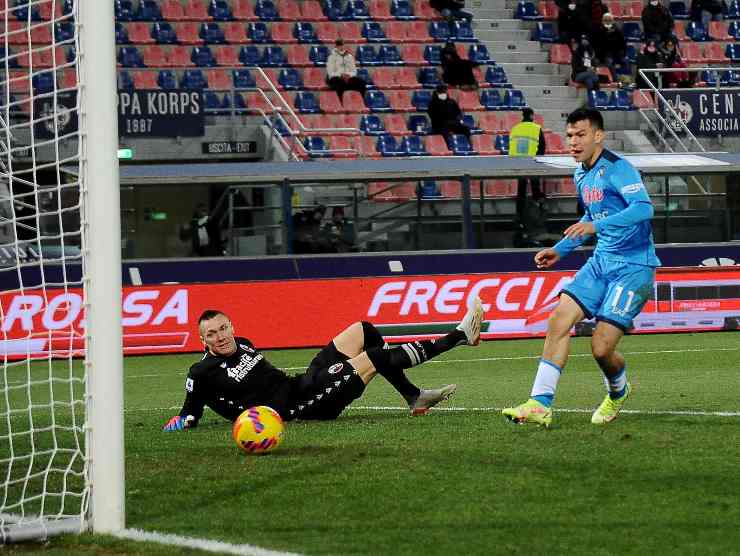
(218, 335)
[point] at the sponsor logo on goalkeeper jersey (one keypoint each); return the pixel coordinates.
(246, 364)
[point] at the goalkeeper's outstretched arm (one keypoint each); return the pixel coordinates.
(191, 412)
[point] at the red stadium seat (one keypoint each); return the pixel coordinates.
(560, 54)
(139, 32)
(226, 55)
(18, 81)
(256, 101)
(351, 32)
(490, 122)
(179, 57)
(289, 10)
(352, 102)
(311, 11)
(413, 54)
(380, 11)
(329, 102)
(635, 10)
(69, 79)
(485, 144)
(347, 121)
(407, 79)
(615, 8)
(679, 29)
(327, 31)
(146, 79)
(317, 124)
(154, 56)
(45, 10)
(500, 188)
(16, 32)
(41, 34)
(418, 31)
(691, 53)
(345, 144)
(282, 31)
(172, 10)
(395, 31)
(196, 10)
(400, 101)
(437, 146)
(235, 32)
(509, 120)
(468, 100)
(243, 10)
(218, 79)
(368, 150)
(395, 124)
(266, 79)
(423, 10)
(297, 55)
(714, 52)
(188, 33)
(462, 50)
(314, 78)
(555, 143)
(718, 31)
(390, 191)
(643, 99)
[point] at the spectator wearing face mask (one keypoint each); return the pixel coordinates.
(341, 71)
(657, 21)
(446, 115)
(673, 59)
(609, 44)
(573, 18)
(583, 62)
(649, 58)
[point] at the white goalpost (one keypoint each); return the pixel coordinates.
(61, 392)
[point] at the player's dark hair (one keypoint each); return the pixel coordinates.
(208, 314)
(593, 116)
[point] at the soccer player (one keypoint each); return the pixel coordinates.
(615, 282)
(233, 375)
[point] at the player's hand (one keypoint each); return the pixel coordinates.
(580, 229)
(546, 258)
(177, 423)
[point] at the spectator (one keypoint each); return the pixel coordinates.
(341, 71)
(457, 72)
(446, 115)
(657, 21)
(573, 17)
(205, 237)
(527, 139)
(583, 61)
(596, 9)
(610, 46)
(672, 59)
(451, 10)
(706, 11)
(649, 58)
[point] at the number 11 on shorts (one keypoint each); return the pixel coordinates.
(617, 295)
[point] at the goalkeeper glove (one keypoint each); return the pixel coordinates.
(178, 423)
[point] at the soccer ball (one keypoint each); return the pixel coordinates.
(258, 430)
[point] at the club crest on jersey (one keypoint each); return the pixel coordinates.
(246, 348)
(189, 384)
(601, 171)
(592, 195)
(335, 368)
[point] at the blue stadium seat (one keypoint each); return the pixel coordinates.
(462, 31)
(202, 56)
(478, 53)
(258, 32)
(429, 189)
(514, 99)
(496, 77)
(68, 7)
(697, 32)
(545, 32)
(64, 31)
(20, 12)
(281, 127)
(371, 124)
(733, 51)
(373, 32)
(376, 101)
(421, 99)
(130, 57)
(356, 9)
(215, 104)
(318, 55)
(428, 77)
(734, 30)
(419, 125)
(193, 79)
(367, 56)
(364, 74)
(412, 145)
(733, 78)
(12, 62)
(333, 10)
(527, 11)
(733, 10)
(599, 100)
(469, 121)
(632, 31)
(433, 54)
(43, 82)
(316, 147)
(304, 32)
(250, 55)
(491, 99)
(220, 10)
(164, 33)
(678, 10)
(710, 77)
(306, 103)
(125, 81)
(266, 10)
(290, 79)
(631, 55)
(439, 31)
(460, 145)
(211, 33)
(243, 79)
(166, 79)
(240, 103)
(388, 55)
(121, 34)
(401, 9)
(148, 11)
(273, 56)
(502, 144)
(124, 10)
(387, 146)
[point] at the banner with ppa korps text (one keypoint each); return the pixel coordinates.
(303, 313)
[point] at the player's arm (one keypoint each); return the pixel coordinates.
(627, 182)
(191, 412)
(574, 235)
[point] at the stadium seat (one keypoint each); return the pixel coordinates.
(691, 53)
(428, 77)
(333, 10)
(342, 146)
(419, 125)
(389, 55)
(412, 145)
(734, 30)
(193, 79)
(215, 103)
(462, 31)
(469, 120)
(678, 9)
(123, 9)
(163, 33)
(318, 55)
(429, 189)
(544, 32)
(273, 56)
(413, 54)
(502, 144)
(468, 100)
(484, 144)
(437, 146)
(259, 32)
(514, 99)
(220, 10)
(379, 10)
(196, 10)
(290, 79)
(478, 53)
(351, 32)
(121, 34)
(439, 31)
(304, 32)
(421, 99)
(401, 9)
(43, 82)
(632, 32)
(491, 122)
(527, 11)
(371, 124)
(327, 31)
(614, 7)
(387, 145)
(226, 56)
(718, 31)
(621, 99)
(211, 33)
(266, 10)
(243, 10)
(356, 10)
(712, 77)
(599, 100)
(139, 33)
(395, 124)
(714, 52)
(401, 101)
(172, 10)
(733, 10)
(282, 32)
(305, 102)
(166, 79)
(460, 145)
(188, 32)
(733, 52)
(433, 54)
(643, 99)
(297, 55)
(423, 10)
(126, 82)
(243, 79)
(290, 10)
(328, 102)
(368, 149)
(179, 56)
(679, 31)
(316, 147)
(130, 57)
(235, 32)
(697, 32)
(314, 78)
(733, 77)
(490, 99)
(500, 188)
(366, 55)
(202, 56)
(250, 55)
(372, 31)
(311, 11)
(148, 11)
(376, 101)
(317, 124)
(496, 77)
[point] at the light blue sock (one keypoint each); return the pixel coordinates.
(617, 383)
(546, 382)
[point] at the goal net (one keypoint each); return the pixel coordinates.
(50, 256)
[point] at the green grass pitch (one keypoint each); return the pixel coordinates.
(661, 479)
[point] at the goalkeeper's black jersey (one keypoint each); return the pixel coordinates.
(229, 385)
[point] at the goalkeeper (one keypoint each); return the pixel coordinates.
(233, 375)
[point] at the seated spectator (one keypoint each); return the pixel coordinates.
(649, 58)
(583, 64)
(706, 11)
(657, 21)
(341, 71)
(672, 59)
(596, 9)
(573, 17)
(446, 115)
(609, 45)
(457, 72)
(451, 9)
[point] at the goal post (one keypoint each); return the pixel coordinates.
(61, 358)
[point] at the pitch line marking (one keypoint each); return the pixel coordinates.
(200, 544)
